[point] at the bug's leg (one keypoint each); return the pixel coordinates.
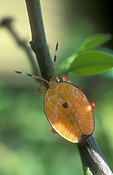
(53, 131)
(41, 90)
(93, 105)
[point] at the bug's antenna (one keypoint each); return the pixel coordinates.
(56, 49)
(56, 52)
(33, 76)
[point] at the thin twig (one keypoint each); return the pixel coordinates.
(7, 22)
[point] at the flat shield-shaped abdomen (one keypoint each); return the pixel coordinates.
(69, 112)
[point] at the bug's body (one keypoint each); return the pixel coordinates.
(68, 111)
(66, 108)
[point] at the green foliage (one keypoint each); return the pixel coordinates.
(87, 62)
(91, 63)
(95, 41)
(88, 172)
(63, 68)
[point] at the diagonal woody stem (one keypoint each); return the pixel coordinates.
(92, 158)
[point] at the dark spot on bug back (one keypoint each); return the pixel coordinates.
(65, 105)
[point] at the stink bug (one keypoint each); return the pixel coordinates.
(67, 108)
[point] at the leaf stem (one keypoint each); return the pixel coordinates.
(7, 22)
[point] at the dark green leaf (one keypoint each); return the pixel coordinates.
(91, 63)
(95, 41)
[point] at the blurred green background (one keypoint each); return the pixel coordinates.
(27, 145)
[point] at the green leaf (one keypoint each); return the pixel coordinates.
(95, 41)
(88, 172)
(91, 63)
(63, 67)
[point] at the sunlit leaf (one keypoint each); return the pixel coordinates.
(88, 172)
(91, 63)
(95, 41)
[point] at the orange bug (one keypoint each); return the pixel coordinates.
(67, 108)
